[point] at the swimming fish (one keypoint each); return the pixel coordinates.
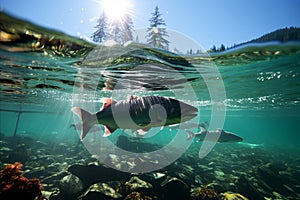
(222, 135)
(188, 125)
(136, 113)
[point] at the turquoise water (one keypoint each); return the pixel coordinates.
(39, 77)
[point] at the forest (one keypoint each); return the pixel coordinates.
(280, 35)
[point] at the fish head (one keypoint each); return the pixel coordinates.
(187, 111)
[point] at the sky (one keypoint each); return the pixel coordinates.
(204, 22)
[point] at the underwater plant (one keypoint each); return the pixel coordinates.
(134, 184)
(204, 193)
(137, 196)
(124, 188)
(15, 186)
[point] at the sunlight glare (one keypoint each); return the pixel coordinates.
(116, 9)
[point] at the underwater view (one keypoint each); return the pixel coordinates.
(223, 125)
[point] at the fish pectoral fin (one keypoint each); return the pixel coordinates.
(143, 131)
(108, 131)
(202, 127)
(191, 135)
(220, 131)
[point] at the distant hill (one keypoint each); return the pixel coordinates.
(280, 35)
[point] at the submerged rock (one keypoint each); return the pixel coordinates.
(36, 172)
(55, 178)
(18, 154)
(272, 179)
(174, 188)
(100, 191)
(134, 184)
(90, 174)
(198, 180)
(246, 187)
(70, 186)
(232, 196)
(138, 183)
(47, 194)
(5, 149)
(220, 175)
(204, 193)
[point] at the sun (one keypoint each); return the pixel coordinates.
(116, 9)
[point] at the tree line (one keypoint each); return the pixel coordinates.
(121, 31)
(281, 35)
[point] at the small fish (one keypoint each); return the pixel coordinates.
(136, 113)
(188, 125)
(222, 135)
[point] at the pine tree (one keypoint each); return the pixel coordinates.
(116, 31)
(120, 31)
(127, 28)
(100, 35)
(222, 48)
(157, 31)
(137, 39)
(213, 49)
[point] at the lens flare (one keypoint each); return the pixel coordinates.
(116, 9)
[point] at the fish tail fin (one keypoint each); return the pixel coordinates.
(88, 120)
(191, 135)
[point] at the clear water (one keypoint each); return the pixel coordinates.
(262, 85)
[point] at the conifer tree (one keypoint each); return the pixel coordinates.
(101, 34)
(157, 33)
(120, 31)
(116, 31)
(127, 28)
(222, 47)
(214, 49)
(137, 39)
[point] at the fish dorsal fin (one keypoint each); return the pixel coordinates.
(131, 97)
(203, 130)
(107, 102)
